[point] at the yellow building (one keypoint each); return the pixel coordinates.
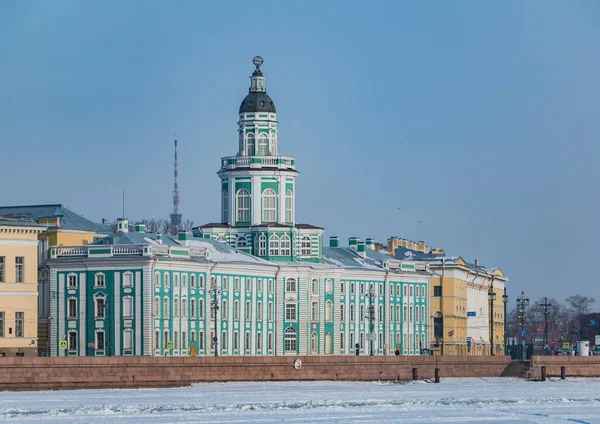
(466, 301)
(18, 286)
(64, 227)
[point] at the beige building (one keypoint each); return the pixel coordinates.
(18, 286)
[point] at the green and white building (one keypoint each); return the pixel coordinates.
(279, 291)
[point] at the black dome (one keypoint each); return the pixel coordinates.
(257, 101)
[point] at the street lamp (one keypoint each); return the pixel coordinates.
(505, 300)
(492, 297)
(522, 303)
(214, 306)
(371, 317)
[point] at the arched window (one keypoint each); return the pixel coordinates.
(269, 208)
(328, 286)
(241, 142)
(241, 242)
(273, 144)
(314, 343)
(417, 290)
(225, 207)
(284, 244)
(263, 144)
(274, 245)
(315, 286)
(329, 311)
(250, 144)
(242, 201)
(288, 206)
(305, 246)
(262, 245)
(290, 285)
(290, 339)
(157, 279)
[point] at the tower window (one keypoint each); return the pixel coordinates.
(263, 144)
(273, 144)
(285, 245)
(262, 245)
(288, 206)
(243, 205)
(250, 144)
(268, 205)
(306, 246)
(274, 245)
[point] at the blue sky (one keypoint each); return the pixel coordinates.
(479, 120)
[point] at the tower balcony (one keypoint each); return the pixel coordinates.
(257, 162)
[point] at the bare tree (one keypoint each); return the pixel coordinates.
(578, 307)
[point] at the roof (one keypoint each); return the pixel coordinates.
(308, 227)
(19, 222)
(346, 257)
(257, 101)
(403, 253)
(135, 238)
(69, 220)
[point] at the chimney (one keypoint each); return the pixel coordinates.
(122, 225)
(361, 249)
(183, 238)
(334, 241)
(370, 244)
(476, 262)
(140, 228)
(352, 242)
(159, 238)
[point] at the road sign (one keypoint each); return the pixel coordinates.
(523, 338)
(371, 337)
(472, 314)
(214, 339)
(553, 341)
(597, 340)
(469, 340)
(566, 345)
(63, 344)
(522, 333)
(169, 344)
(357, 345)
(593, 322)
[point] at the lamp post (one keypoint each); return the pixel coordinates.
(214, 306)
(492, 297)
(371, 317)
(505, 300)
(522, 303)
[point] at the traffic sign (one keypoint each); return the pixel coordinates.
(357, 345)
(214, 339)
(597, 339)
(469, 340)
(169, 344)
(472, 314)
(566, 345)
(522, 333)
(593, 322)
(63, 344)
(372, 337)
(553, 342)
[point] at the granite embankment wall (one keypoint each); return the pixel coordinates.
(129, 372)
(575, 366)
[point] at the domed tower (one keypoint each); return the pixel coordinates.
(258, 187)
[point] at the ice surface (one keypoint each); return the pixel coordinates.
(459, 400)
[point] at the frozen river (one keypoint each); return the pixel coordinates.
(458, 400)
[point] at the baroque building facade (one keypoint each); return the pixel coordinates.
(255, 283)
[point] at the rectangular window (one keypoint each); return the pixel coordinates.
(380, 312)
(193, 336)
(437, 291)
(248, 311)
(184, 340)
(404, 313)
(193, 281)
(247, 344)
(391, 289)
(259, 285)
(362, 339)
(403, 291)
(175, 338)
(341, 340)
(236, 310)
(128, 279)
(410, 290)
(351, 312)
(236, 343)
(19, 324)
(166, 307)
(72, 313)
(398, 290)
(342, 317)
(72, 340)
(201, 340)
(201, 282)
(362, 288)
(157, 339)
(411, 317)
(128, 306)
(201, 308)
(127, 339)
(184, 308)
(166, 339)
(100, 340)
(259, 341)
(99, 282)
(351, 288)
(1, 324)
(175, 280)
(224, 283)
(2, 268)
(72, 281)
(270, 341)
(315, 311)
(315, 286)
(184, 280)
(352, 340)
(417, 291)
(270, 286)
(381, 289)
(290, 312)
(259, 311)
(100, 307)
(342, 287)
(236, 284)
(391, 312)
(270, 311)
(224, 311)
(19, 269)
(193, 308)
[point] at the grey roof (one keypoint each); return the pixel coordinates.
(257, 102)
(349, 258)
(19, 222)
(69, 219)
(135, 238)
(409, 254)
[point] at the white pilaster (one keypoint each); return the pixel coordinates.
(82, 314)
(116, 313)
(61, 311)
(138, 313)
(255, 212)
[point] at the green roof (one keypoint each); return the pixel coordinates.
(69, 220)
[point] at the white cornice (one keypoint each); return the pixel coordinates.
(18, 242)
